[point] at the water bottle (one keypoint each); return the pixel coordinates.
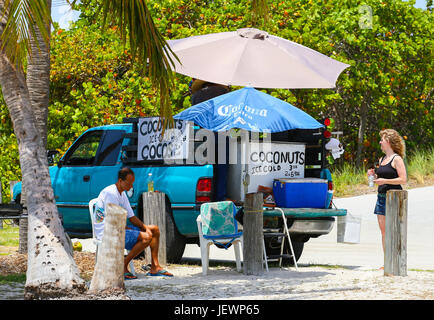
(371, 180)
(150, 183)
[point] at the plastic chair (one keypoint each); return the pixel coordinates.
(96, 241)
(217, 225)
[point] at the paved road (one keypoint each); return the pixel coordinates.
(368, 253)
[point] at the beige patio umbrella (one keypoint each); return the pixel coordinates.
(254, 58)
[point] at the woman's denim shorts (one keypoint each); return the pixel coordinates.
(380, 207)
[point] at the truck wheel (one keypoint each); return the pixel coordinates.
(175, 242)
(273, 248)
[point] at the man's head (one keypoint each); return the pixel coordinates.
(125, 179)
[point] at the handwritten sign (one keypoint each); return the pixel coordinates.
(152, 145)
(274, 161)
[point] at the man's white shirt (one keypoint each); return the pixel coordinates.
(108, 195)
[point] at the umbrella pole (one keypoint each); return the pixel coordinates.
(245, 158)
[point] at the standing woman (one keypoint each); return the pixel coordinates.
(390, 173)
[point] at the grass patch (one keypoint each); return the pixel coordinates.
(350, 181)
(421, 270)
(347, 179)
(420, 165)
(9, 235)
(19, 277)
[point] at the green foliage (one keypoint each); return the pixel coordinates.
(15, 39)
(9, 159)
(348, 180)
(95, 81)
(390, 72)
(390, 53)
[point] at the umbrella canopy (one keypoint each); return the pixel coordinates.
(248, 109)
(251, 57)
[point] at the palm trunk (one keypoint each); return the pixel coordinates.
(51, 270)
(38, 84)
(38, 79)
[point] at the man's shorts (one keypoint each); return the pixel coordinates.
(380, 207)
(131, 236)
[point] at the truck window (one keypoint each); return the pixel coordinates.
(110, 147)
(83, 153)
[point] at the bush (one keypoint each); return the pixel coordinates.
(421, 165)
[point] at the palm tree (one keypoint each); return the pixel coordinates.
(51, 269)
(24, 29)
(25, 37)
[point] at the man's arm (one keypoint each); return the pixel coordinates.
(138, 223)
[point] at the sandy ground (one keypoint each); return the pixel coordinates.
(326, 271)
(223, 282)
(308, 283)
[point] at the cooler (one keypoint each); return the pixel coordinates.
(300, 193)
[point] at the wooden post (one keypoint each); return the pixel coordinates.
(253, 234)
(108, 275)
(154, 212)
(395, 257)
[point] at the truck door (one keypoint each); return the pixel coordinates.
(71, 182)
(108, 163)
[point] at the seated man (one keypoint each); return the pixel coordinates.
(137, 239)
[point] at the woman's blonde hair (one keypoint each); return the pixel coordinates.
(395, 140)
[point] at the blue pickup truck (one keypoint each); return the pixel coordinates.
(93, 160)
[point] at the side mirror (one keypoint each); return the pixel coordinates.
(51, 156)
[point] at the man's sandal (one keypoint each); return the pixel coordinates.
(161, 273)
(129, 276)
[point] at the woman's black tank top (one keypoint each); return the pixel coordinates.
(387, 172)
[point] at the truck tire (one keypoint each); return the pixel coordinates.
(273, 249)
(175, 242)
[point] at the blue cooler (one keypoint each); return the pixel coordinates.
(300, 193)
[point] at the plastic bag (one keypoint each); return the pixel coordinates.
(349, 229)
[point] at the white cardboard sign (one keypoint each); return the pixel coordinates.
(275, 161)
(152, 145)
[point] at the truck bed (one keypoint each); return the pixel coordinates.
(304, 212)
(304, 223)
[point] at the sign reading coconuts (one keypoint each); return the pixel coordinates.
(274, 161)
(152, 145)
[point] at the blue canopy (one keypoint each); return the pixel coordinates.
(248, 109)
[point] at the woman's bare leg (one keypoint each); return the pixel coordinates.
(382, 225)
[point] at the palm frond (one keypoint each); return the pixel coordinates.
(24, 17)
(147, 44)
